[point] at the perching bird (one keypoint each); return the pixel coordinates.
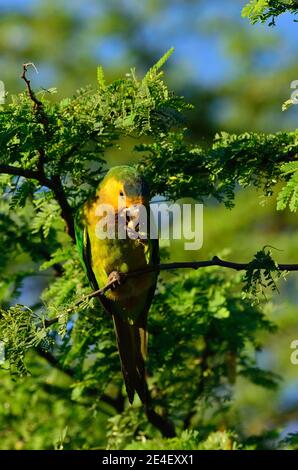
(128, 303)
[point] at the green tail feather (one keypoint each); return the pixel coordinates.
(131, 341)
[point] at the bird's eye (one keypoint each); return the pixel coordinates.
(121, 193)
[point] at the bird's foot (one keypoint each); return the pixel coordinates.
(115, 279)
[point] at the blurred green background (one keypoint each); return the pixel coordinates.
(237, 76)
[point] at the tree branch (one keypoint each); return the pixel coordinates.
(17, 171)
(215, 261)
(117, 278)
(66, 210)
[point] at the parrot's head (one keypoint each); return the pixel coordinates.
(126, 191)
(123, 186)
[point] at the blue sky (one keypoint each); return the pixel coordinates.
(201, 54)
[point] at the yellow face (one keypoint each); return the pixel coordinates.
(113, 192)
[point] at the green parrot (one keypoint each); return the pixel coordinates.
(128, 302)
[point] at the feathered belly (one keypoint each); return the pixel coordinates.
(123, 256)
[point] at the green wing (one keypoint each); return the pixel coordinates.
(84, 248)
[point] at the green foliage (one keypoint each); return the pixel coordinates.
(101, 78)
(23, 191)
(38, 409)
(177, 169)
(190, 440)
(123, 427)
(47, 213)
(20, 332)
(290, 442)
(156, 67)
(202, 336)
(203, 332)
(210, 305)
(254, 9)
(79, 130)
(288, 196)
(262, 10)
(261, 274)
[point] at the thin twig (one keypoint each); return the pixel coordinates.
(97, 293)
(40, 115)
(31, 93)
